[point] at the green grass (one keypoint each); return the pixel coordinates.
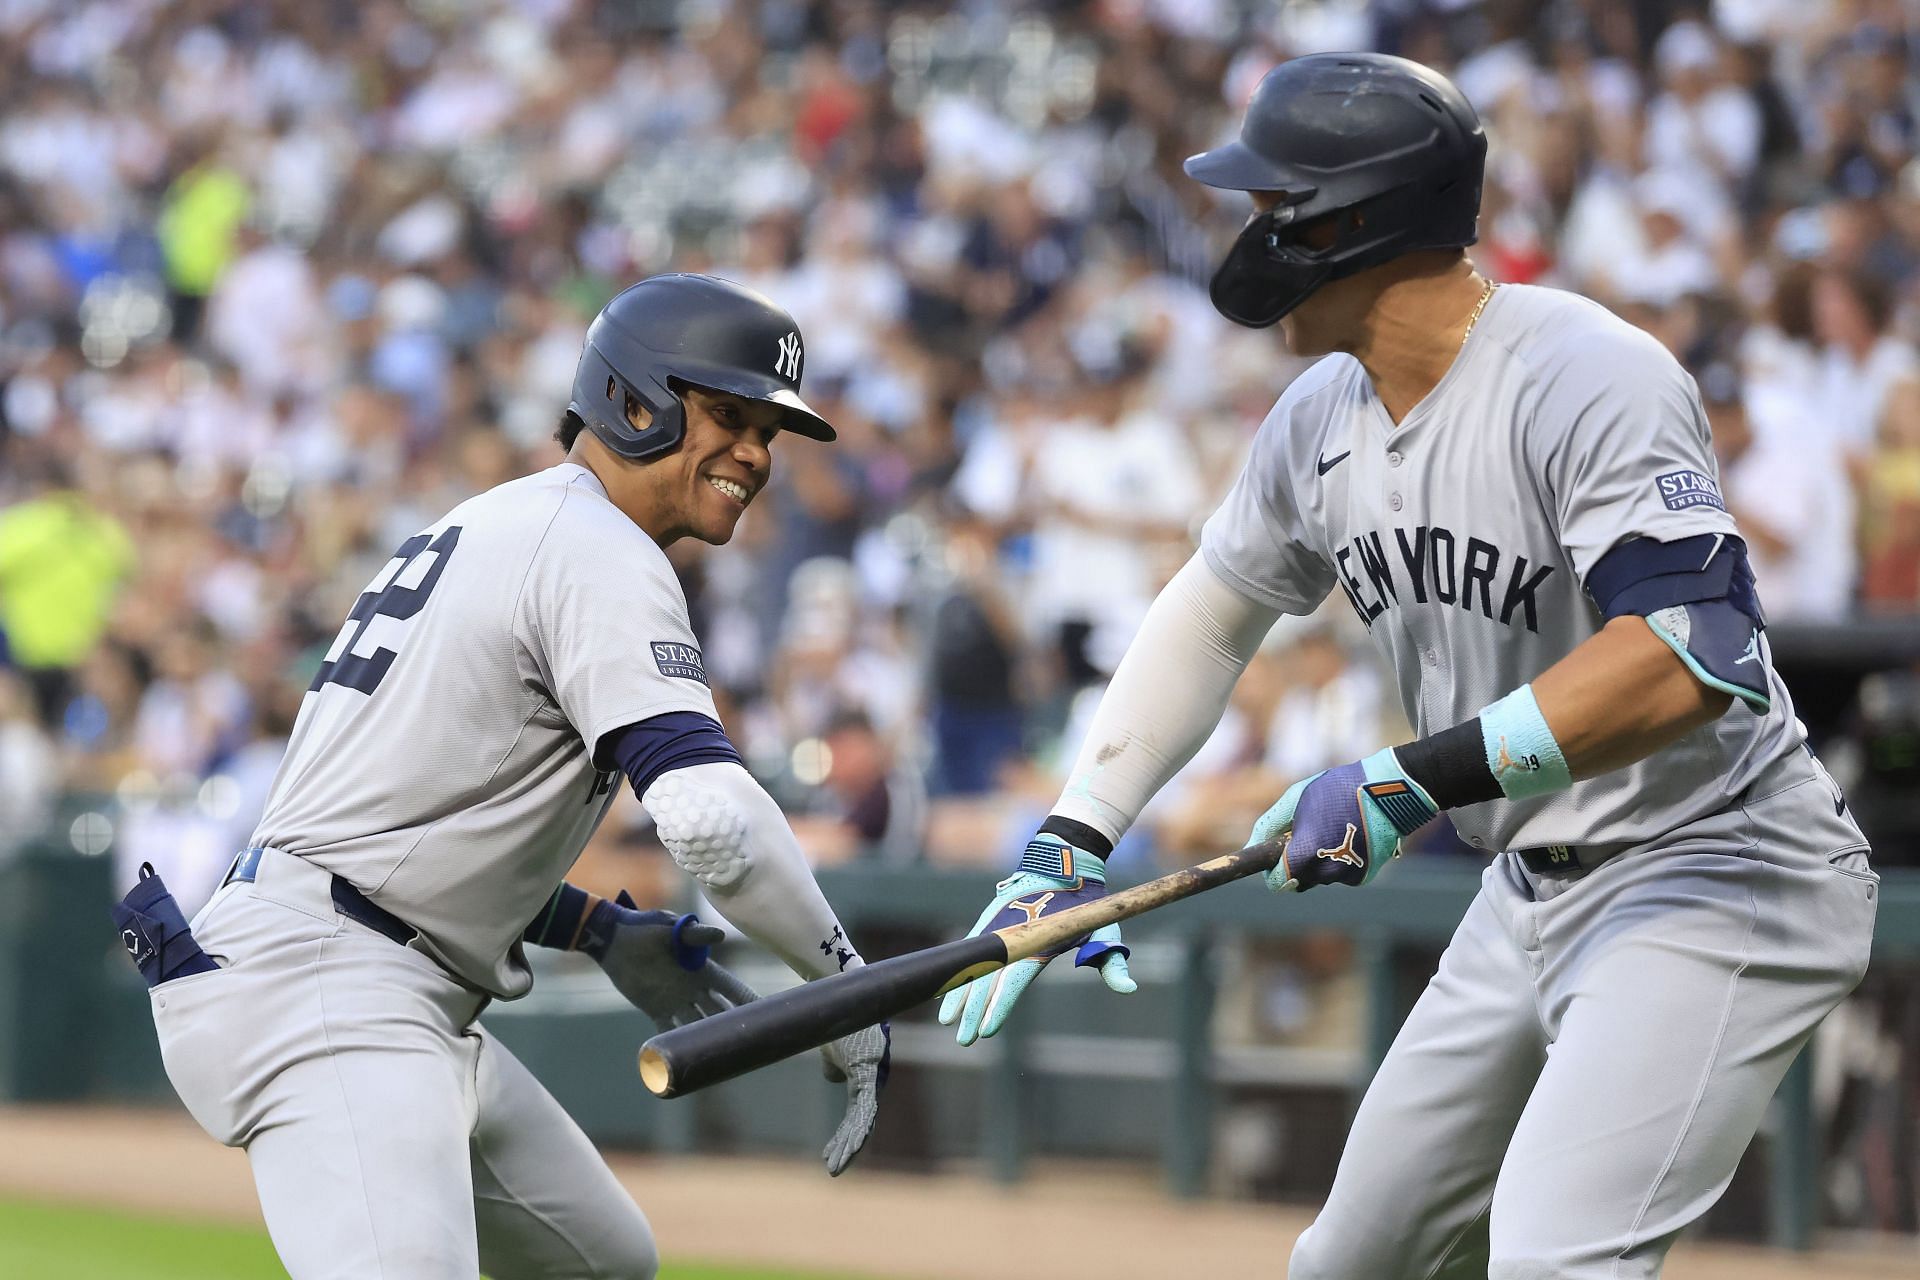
(42, 1242)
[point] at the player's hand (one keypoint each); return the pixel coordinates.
(658, 961)
(982, 1006)
(1342, 825)
(861, 1060)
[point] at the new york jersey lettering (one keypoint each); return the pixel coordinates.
(1431, 561)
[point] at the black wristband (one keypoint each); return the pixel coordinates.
(1079, 835)
(1451, 766)
(560, 923)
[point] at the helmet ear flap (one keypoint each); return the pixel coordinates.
(669, 426)
(608, 404)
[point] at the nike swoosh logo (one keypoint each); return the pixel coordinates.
(1327, 464)
(1718, 538)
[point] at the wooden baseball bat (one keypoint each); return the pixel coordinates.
(805, 1017)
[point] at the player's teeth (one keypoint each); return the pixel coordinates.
(737, 492)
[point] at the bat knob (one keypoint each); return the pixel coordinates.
(656, 1072)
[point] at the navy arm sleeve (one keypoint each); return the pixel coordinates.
(1642, 576)
(1697, 595)
(645, 750)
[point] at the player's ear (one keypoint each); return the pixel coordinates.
(639, 417)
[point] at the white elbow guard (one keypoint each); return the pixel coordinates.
(722, 826)
(702, 826)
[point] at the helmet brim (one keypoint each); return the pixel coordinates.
(801, 419)
(1238, 167)
(799, 416)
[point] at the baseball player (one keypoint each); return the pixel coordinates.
(1514, 491)
(463, 737)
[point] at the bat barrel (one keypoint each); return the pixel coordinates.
(778, 1026)
(656, 1072)
(714, 1049)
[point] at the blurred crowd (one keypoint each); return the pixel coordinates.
(282, 281)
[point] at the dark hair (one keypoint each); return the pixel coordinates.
(568, 430)
(1872, 292)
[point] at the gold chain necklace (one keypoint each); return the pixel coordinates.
(1478, 307)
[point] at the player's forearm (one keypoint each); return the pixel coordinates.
(722, 826)
(1620, 696)
(1164, 700)
(779, 905)
(1681, 639)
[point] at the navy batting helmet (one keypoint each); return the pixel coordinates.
(1385, 148)
(675, 330)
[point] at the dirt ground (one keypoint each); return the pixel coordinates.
(1067, 1223)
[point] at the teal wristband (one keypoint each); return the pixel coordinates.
(1521, 752)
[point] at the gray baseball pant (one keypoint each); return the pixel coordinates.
(1595, 1052)
(389, 1134)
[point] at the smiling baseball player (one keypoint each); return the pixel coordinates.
(460, 742)
(1514, 491)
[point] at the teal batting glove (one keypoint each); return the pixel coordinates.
(1342, 825)
(1052, 876)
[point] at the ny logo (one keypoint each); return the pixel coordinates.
(787, 363)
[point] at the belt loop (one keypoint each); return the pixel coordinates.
(245, 866)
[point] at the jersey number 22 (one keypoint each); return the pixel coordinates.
(385, 598)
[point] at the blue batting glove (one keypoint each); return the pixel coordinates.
(1342, 825)
(658, 961)
(1053, 875)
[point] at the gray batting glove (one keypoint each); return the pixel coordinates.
(861, 1060)
(659, 962)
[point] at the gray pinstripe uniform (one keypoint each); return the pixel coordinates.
(442, 764)
(1598, 1046)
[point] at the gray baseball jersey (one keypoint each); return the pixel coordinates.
(1463, 537)
(442, 760)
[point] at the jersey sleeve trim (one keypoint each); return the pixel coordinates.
(599, 738)
(1253, 591)
(648, 748)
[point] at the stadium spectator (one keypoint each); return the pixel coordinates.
(1861, 359)
(1890, 506)
(282, 283)
(974, 681)
(1792, 500)
(62, 560)
(870, 805)
(29, 765)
